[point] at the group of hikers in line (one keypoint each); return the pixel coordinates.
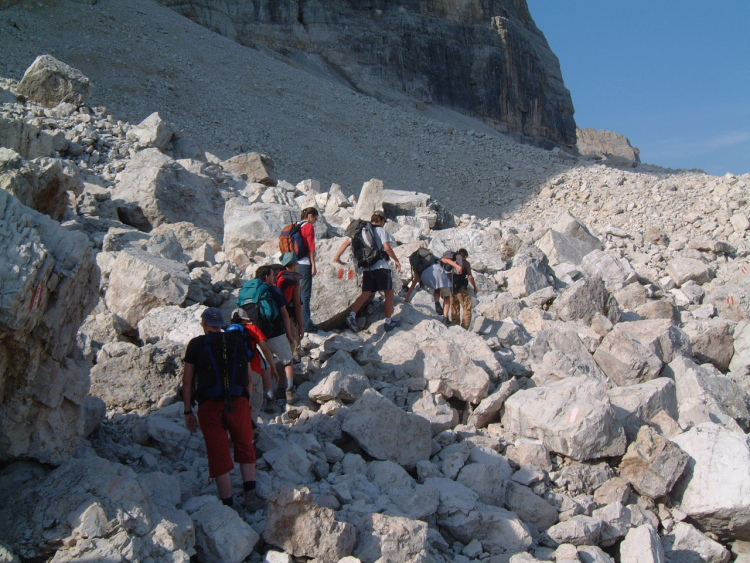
(230, 370)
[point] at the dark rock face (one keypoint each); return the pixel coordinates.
(485, 58)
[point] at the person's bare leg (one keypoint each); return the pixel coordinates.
(224, 485)
(388, 303)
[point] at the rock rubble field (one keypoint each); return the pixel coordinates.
(596, 411)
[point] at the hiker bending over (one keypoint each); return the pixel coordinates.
(306, 266)
(434, 278)
(460, 272)
(376, 277)
(217, 376)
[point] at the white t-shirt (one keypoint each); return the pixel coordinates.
(384, 237)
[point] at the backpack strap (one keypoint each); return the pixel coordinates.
(223, 375)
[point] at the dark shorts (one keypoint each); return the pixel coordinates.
(239, 427)
(377, 280)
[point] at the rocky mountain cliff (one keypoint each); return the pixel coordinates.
(486, 59)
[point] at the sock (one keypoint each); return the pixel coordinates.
(352, 314)
(269, 394)
(388, 321)
(248, 486)
(228, 501)
(289, 384)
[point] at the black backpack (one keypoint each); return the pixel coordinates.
(228, 355)
(421, 259)
(366, 246)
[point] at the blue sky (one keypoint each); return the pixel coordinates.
(671, 75)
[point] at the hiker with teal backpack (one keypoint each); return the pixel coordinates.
(267, 308)
(371, 248)
(217, 375)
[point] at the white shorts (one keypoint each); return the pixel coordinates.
(281, 348)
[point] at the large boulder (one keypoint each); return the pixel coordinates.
(255, 167)
(406, 439)
(636, 405)
(584, 299)
(572, 417)
(634, 352)
(712, 341)
(713, 491)
(704, 394)
(138, 379)
(297, 525)
(154, 189)
(89, 508)
(49, 284)
(50, 82)
(140, 281)
(653, 464)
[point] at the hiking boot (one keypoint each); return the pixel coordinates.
(447, 321)
(291, 396)
(390, 326)
(351, 322)
(252, 501)
(438, 308)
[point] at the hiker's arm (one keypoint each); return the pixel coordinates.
(268, 355)
(343, 248)
(249, 380)
(473, 283)
(414, 283)
(389, 251)
(287, 324)
(297, 300)
(459, 269)
(187, 396)
(312, 263)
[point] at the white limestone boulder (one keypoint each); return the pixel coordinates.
(49, 82)
(615, 272)
(560, 248)
(584, 299)
(89, 508)
(221, 535)
(140, 281)
(578, 530)
(712, 341)
(572, 417)
(406, 439)
(488, 410)
(634, 352)
(653, 464)
(713, 490)
(686, 543)
(49, 284)
(706, 395)
(298, 526)
(345, 380)
(254, 167)
(138, 378)
(682, 270)
(152, 132)
(642, 545)
(636, 405)
(530, 507)
(154, 189)
(381, 537)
